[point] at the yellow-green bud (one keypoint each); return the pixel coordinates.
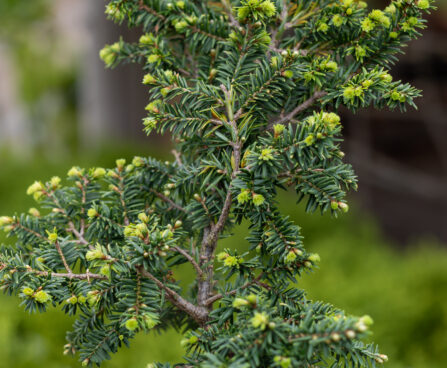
(72, 300)
(343, 206)
(350, 334)
(28, 291)
(131, 324)
(239, 302)
(147, 39)
(99, 173)
(74, 172)
(42, 297)
(143, 217)
(252, 299)
(180, 4)
(243, 196)
(221, 256)
(260, 320)
(258, 199)
(55, 182)
(178, 224)
(291, 256)
(92, 213)
(149, 79)
(138, 161)
(288, 73)
(337, 20)
(82, 299)
(5, 220)
(120, 163)
(423, 4)
(153, 58)
(314, 258)
(231, 261)
(36, 187)
(52, 235)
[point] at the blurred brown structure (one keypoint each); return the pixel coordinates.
(401, 159)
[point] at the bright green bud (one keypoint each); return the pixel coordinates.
(147, 39)
(222, 256)
(252, 299)
(5, 220)
(131, 324)
(331, 66)
(167, 234)
(291, 256)
(239, 302)
(193, 340)
(331, 118)
(309, 140)
(314, 258)
(94, 253)
(74, 172)
(386, 77)
(231, 261)
(33, 212)
(52, 236)
(85, 362)
(55, 182)
(243, 196)
(343, 206)
(82, 299)
(349, 11)
(393, 34)
(274, 61)
(120, 163)
(105, 270)
(358, 91)
(367, 320)
(178, 224)
(28, 291)
(423, 4)
(93, 298)
(153, 58)
(367, 25)
(323, 27)
(258, 199)
(337, 20)
(395, 96)
(260, 320)
(266, 154)
(349, 93)
(278, 129)
(143, 217)
(37, 186)
(367, 83)
(268, 8)
(153, 106)
(181, 26)
(390, 9)
(334, 205)
(42, 297)
(180, 4)
(72, 300)
(288, 74)
(149, 79)
(92, 213)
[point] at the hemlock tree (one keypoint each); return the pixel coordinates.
(248, 90)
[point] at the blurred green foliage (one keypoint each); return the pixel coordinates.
(405, 291)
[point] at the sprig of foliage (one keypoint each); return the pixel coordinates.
(248, 89)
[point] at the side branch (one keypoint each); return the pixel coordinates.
(168, 200)
(305, 105)
(200, 315)
(190, 259)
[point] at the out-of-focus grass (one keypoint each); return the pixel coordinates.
(404, 291)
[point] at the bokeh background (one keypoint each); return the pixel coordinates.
(387, 257)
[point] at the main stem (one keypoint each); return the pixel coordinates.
(212, 232)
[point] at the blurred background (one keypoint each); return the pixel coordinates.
(387, 257)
